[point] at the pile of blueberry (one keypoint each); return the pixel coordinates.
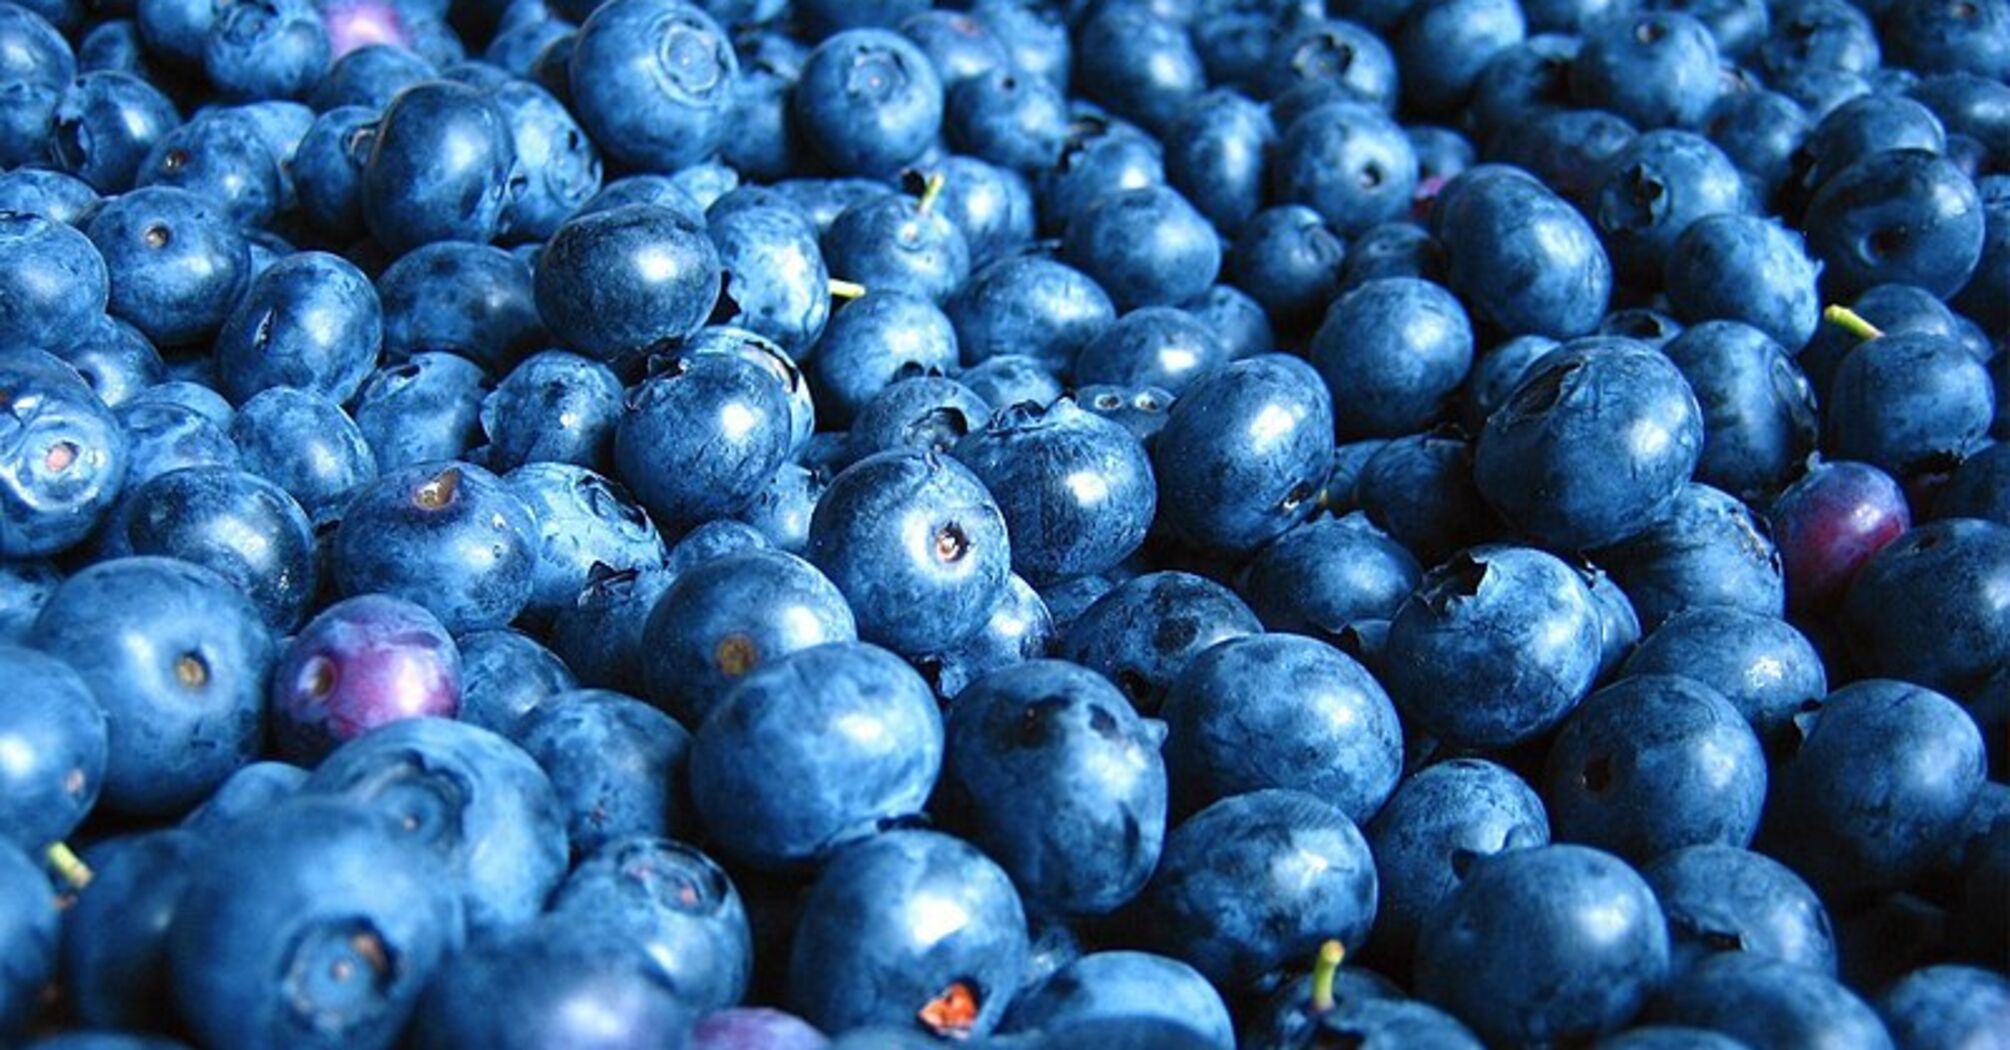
(1041, 524)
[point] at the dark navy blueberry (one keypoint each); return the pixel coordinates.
(1935, 38)
(782, 509)
(726, 617)
(1593, 444)
(671, 903)
(1929, 607)
(448, 536)
(1217, 155)
(1392, 351)
(1495, 647)
(1976, 300)
(1767, 670)
(462, 298)
(1289, 261)
(551, 983)
(1282, 711)
(1140, 65)
(698, 441)
(1143, 634)
(763, 353)
(55, 733)
(177, 263)
(504, 675)
(105, 123)
(895, 243)
(1946, 1005)
(266, 49)
(327, 169)
(474, 801)
(1330, 53)
(242, 526)
(617, 764)
(1893, 309)
(928, 413)
(1523, 82)
(992, 205)
(1657, 69)
(1349, 162)
(876, 945)
(1977, 488)
(1140, 410)
(1908, 404)
(646, 189)
(815, 749)
(777, 284)
(1124, 984)
(1327, 574)
(63, 456)
(558, 166)
(1653, 764)
(553, 407)
(1440, 823)
(652, 81)
(611, 284)
(1768, 1002)
(1077, 492)
(1443, 45)
(114, 951)
(1544, 944)
(1744, 268)
(305, 444)
(1905, 216)
(582, 521)
(421, 410)
(1392, 249)
(1522, 260)
(1567, 149)
(1029, 305)
(1008, 118)
(1653, 189)
(1866, 125)
(1146, 247)
(916, 544)
(1721, 898)
(600, 635)
(1646, 324)
(1244, 453)
(1706, 549)
(25, 587)
(369, 76)
(53, 283)
(177, 659)
(439, 168)
(869, 102)
(1760, 131)
(1759, 421)
(763, 145)
(1054, 776)
(1102, 156)
(1883, 776)
(1012, 379)
(1019, 628)
(312, 321)
(1256, 882)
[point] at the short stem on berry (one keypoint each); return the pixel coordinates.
(1324, 969)
(1852, 322)
(846, 289)
(70, 867)
(931, 190)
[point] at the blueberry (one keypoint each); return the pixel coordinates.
(1901, 215)
(1289, 260)
(1419, 489)
(583, 520)
(1656, 69)
(1832, 521)
(1945, 1004)
(114, 360)
(29, 928)
(927, 413)
(600, 635)
(64, 198)
(25, 587)
(65, 456)
(328, 168)
(1759, 421)
(1925, 607)
(699, 440)
(1018, 628)
(1546, 460)
(652, 82)
(1442, 45)
(315, 923)
(311, 322)
(992, 205)
(1520, 257)
(869, 102)
(462, 298)
(421, 410)
(617, 764)
(1244, 452)
(1567, 149)
(439, 168)
(1009, 119)
(105, 123)
(1743, 268)
(1392, 351)
(1761, 664)
(1349, 162)
(1256, 881)
(1768, 1002)
(115, 938)
(1908, 404)
(894, 243)
(1146, 247)
(1585, 946)
(1761, 131)
(244, 527)
(1707, 549)
(177, 263)
(674, 905)
(1156, 346)
(1143, 633)
(875, 945)
(1101, 156)
(54, 282)
(729, 616)
(777, 284)
(1140, 65)
(765, 1026)
(1216, 154)
(53, 724)
(1330, 51)
(611, 284)
(1939, 37)
(553, 407)
(775, 794)
(1075, 756)
(1124, 984)
(1494, 648)
(449, 536)
(369, 76)
(1721, 899)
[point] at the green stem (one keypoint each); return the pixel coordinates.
(931, 189)
(1852, 322)
(1323, 971)
(846, 289)
(70, 867)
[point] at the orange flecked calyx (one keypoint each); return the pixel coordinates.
(953, 1013)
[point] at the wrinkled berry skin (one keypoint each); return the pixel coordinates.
(438, 169)
(1254, 882)
(917, 546)
(859, 957)
(1243, 454)
(1883, 778)
(1592, 445)
(785, 770)
(1057, 778)
(362, 663)
(1496, 647)
(1584, 945)
(1076, 491)
(451, 537)
(612, 283)
(63, 457)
